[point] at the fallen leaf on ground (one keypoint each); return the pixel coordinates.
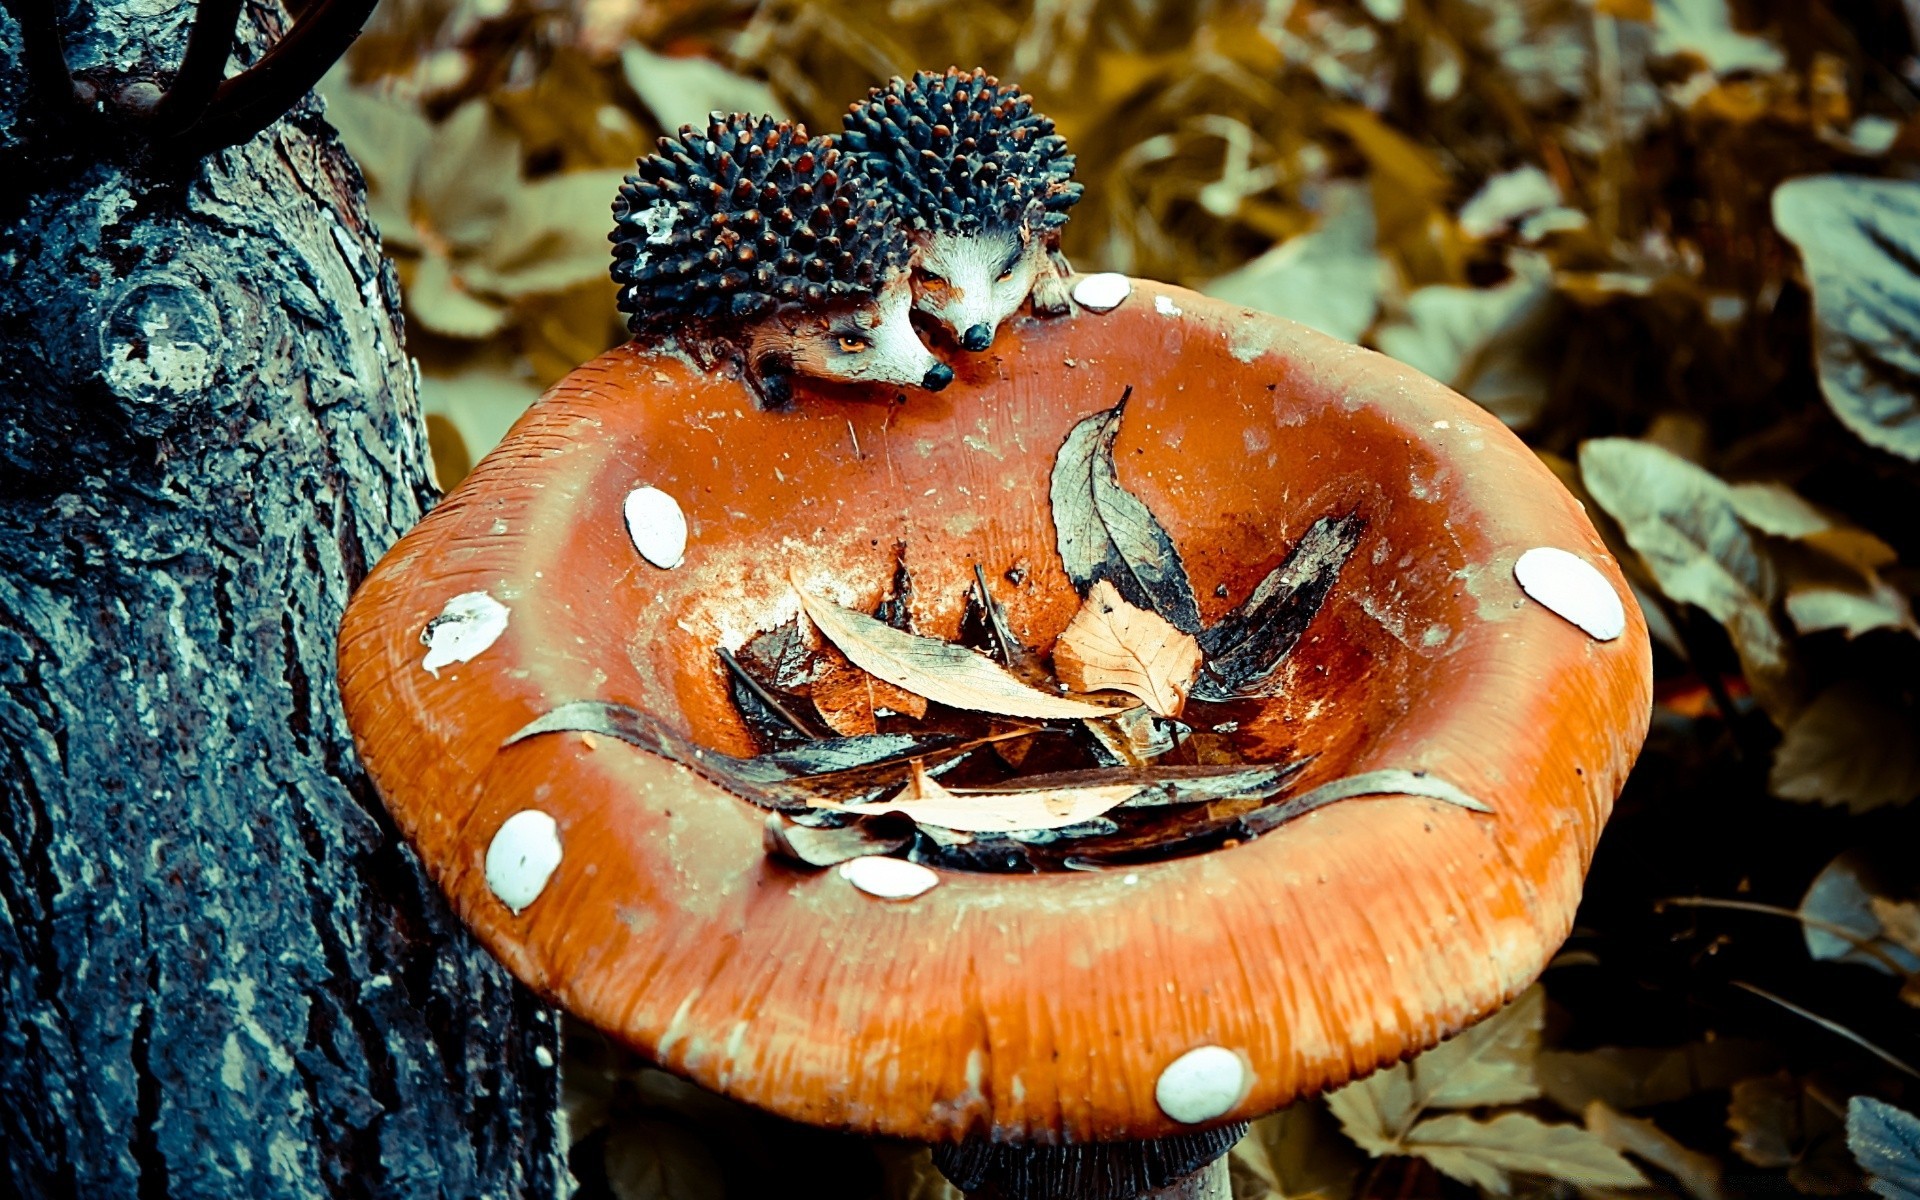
(1489, 1063)
(1683, 522)
(1698, 1173)
(941, 671)
(1486, 1153)
(1857, 238)
(1886, 1142)
(1855, 745)
(1111, 644)
(1292, 1155)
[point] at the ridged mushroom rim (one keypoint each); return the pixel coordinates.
(1136, 1001)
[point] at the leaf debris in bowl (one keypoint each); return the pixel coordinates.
(1121, 746)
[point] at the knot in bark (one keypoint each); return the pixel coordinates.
(160, 349)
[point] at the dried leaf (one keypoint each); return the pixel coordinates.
(941, 671)
(440, 301)
(1486, 1153)
(1244, 650)
(1489, 1063)
(1776, 509)
(1135, 737)
(481, 404)
(826, 846)
(1899, 922)
(1886, 1143)
(1103, 531)
(1154, 786)
(1489, 343)
(1111, 644)
(1704, 29)
(1683, 523)
(1637, 1077)
(1764, 1115)
(1699, 1174)
(1853, 746)
(1000, 812)
(797, 777)
(1846, 898)
(910, 1174)
(683, 90)
(848, 698)
(765, 711)
(1854, 608)
(1781, 1122)
(1390, 782)
(1525, 196)
(1295, 1154)
(386, 138)
(1860, 239)
(651, 1159)
(1330, 279)
(550, 238)
(465, 183)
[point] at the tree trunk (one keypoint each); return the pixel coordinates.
(221, 974)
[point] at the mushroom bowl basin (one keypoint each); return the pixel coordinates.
(1117, 1004)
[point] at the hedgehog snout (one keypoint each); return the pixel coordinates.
(977, 337)
(939, 376)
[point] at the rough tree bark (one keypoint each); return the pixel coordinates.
(220, 972)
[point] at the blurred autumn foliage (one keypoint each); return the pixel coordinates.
(1673, 243)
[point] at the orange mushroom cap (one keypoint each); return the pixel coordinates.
(1043, 1007)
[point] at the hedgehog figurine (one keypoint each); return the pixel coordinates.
(985, 184)
(756, 241)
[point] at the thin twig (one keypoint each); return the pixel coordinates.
(765, 696)
(46, 58)
(260, 95)
(201, 68)
(996, 619)
(1850, 936)
(1831, 1026)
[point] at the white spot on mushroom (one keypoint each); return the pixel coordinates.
(887, 878)
(522, 857)
(1202, 1084)
(469, 623)
(657, 526)
(1102, 292)
(1165, 306)
(1573, 588)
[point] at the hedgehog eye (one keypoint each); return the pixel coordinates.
(853, 343)
(933, 280)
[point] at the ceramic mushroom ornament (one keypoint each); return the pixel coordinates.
(754, 242)
(985, 184)
(1456, 706)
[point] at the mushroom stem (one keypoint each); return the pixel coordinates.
(1187, 1166)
